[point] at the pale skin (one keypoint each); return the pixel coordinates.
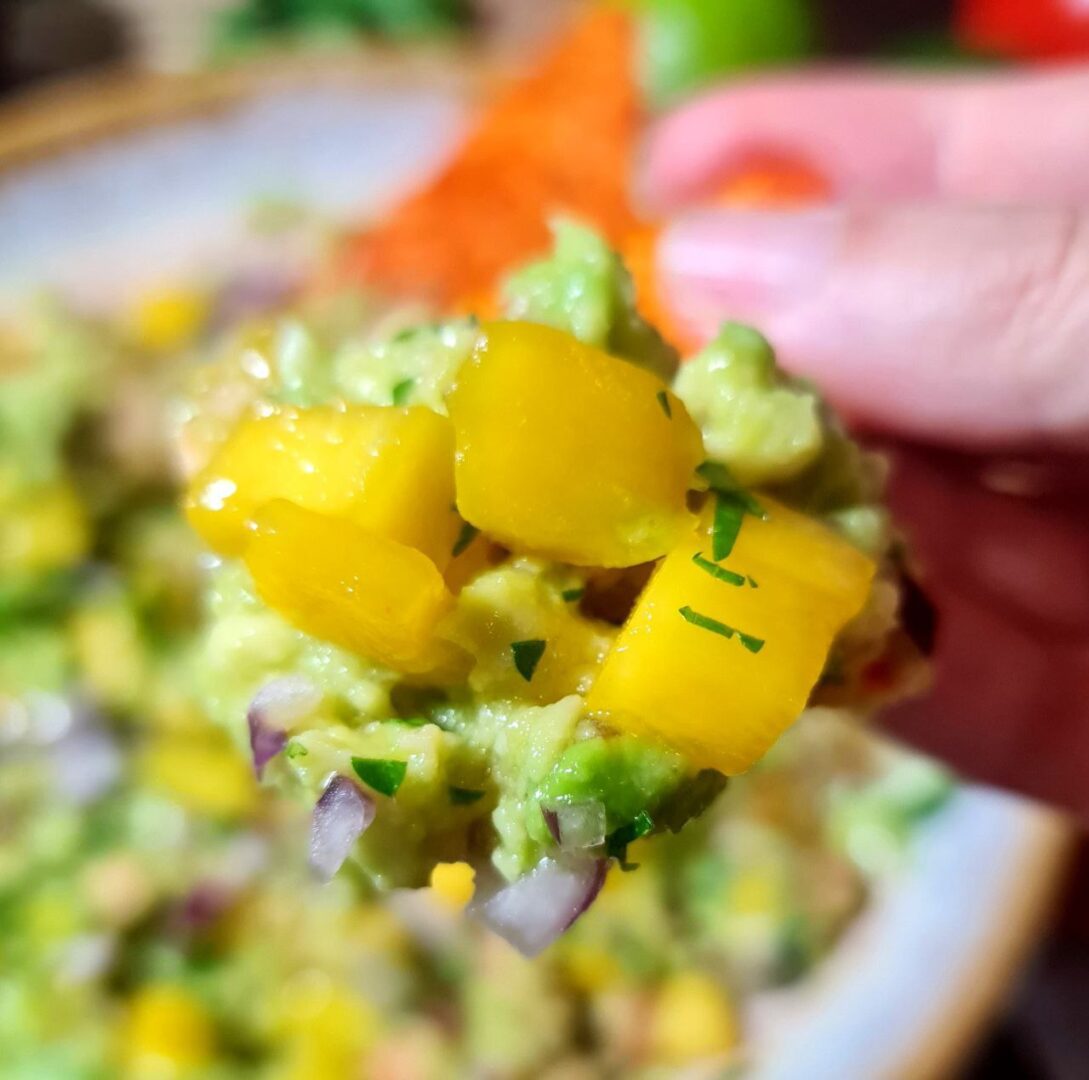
(941, 300)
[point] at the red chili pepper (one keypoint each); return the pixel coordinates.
(1025, 29)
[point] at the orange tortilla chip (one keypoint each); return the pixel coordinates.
(559, 141)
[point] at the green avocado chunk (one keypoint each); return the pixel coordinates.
(583, 287)
(626, 775)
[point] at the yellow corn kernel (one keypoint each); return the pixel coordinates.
(44, 530)
(693, 1019)
(167, 1031)
(390, 471)
(453, 884)
(360, 590)
(207, 775)
(719, 658)
(168, 318)
(567, 452)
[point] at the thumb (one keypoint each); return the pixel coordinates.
(967, 325)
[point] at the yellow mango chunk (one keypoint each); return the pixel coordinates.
(719, 658)
(360, 590)
(167, 1030)
(567, 452)
(390, 471)
(43, 530)
(325, 1028)
(694, 1019)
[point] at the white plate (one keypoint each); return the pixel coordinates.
(918, 976)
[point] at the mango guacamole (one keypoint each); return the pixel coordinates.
(518, 593)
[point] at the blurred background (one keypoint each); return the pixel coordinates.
(141, 893)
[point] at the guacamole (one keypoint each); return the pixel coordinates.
(441, 553)
(156, 916)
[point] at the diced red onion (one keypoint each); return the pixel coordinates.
(341, 816)
(274, 708)
(205, 903)
(252, 294)
(85, 958)
(575, 826)
(535, 910)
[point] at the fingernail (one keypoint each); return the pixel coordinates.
(717, 264)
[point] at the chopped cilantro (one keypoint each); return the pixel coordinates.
(382, 774)
(732, 503)
(727, 524)
(663, 400)
(407, 334)
(705, 622)
(295, 749)
(460, 796)
(467, 535)
(403, 391)
(716, 571)
(571, 595)
(527, 655)
(616, 843)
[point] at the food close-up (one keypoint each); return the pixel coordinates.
(510, 565)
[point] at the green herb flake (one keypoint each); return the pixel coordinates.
(616, 843)
(570, 596)
(719, 480)
(663, 400)
(719, 572)
(460, 796)
(705, 622)
(403, 391)
(467, 535)
(295, 750)
(727, 524)
(527, 655)
(381, 774)
(407, 334)
(752, 583)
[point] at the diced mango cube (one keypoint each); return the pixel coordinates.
(693, 1019)
(567, 452)
(719, 658)
(360, 590)
(43, 530)
(206, 775)
(167, 1030)
(390, 471)
(326, 1027)
(110, 652)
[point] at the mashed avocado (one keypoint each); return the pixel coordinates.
(486, 750)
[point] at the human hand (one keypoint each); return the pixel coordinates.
(943, 298)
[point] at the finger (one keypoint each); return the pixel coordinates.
(967, 325)
(985, 137)
(1010, 579)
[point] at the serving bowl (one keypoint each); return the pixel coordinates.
(110, 187)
